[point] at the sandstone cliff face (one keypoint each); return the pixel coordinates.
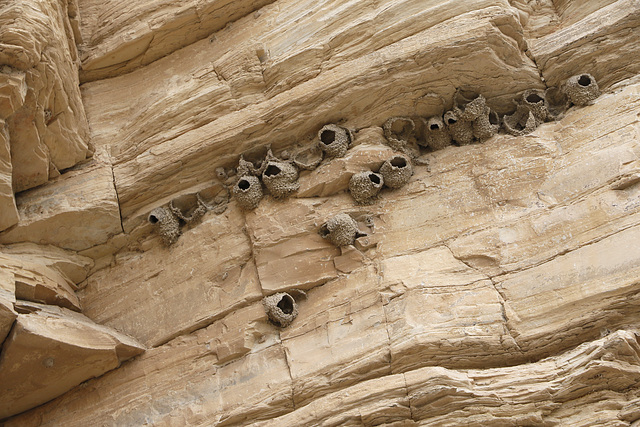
(499, 286)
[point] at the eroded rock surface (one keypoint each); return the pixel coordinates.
(498, 285)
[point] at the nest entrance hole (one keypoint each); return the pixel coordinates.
(324, 231)
(153, 219)
(398, 162)
(534, 98)
(584, 80)
(272, 170)
(434, 126)
(286, 304)
(450, 120)
(243, 184)
(374, 178)
(493, 118)
(328, 136)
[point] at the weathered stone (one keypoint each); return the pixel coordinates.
(490, 258)
(49, 131)
(7, 299)
(344, 318)
(222, 364)
(593, 44)
(153, 29)
(332, 177)
(71, 265)
(8, 210)
(76, 211)
(538, 393)
(206, 90)
(64, 349)
(36, 282)
(221, 280)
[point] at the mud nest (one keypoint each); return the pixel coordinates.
(396, 171)
(341, 230)
(486, 124)
(581, 89)
(536, 101)
(280, 178)
(436, 135)
(248, 192)
(166, 224)
(334, 140)
(521, 122)
(281, 309)
(468, 107)
(461, 131)
(365, 186)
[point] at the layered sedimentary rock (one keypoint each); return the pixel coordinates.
(47, 128)
(497, 286)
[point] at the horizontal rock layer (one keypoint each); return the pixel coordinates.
(497, 287)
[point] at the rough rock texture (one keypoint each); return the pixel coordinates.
(47, 126)
(58, 349)
(76, 211)
(498, 286)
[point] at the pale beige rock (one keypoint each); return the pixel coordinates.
(8, 210)
(530, 394)
(219, 277)
(281, 113)
(71, 265)
(491, 258)
(541, 393)
(253, 383)
(63, 348)
(7, 298)
(574, 10)
(49, 131)
(76, 211)
(338, 338)
(289, 252)
(333, 176)
(38, 283)
(153, 29)
(595, 44)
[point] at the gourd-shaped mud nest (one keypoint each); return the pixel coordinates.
(280, 178)
(581, 89)
(334, 140)
(461, 131)
(436, 135)
(396, 171)
(248, 192)
(166, 223)
(281, 308)
(365, 186)
(341, 230)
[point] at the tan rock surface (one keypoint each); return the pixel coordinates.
(539, 393)
(71, 265)
(49, 131)
(7, 299)
(9, 212)
(234, 88)
(254, 383)
(600, 40)
(219, 277)
(39, 283)
(498, 287)
(76, 211)
(153, 29)
(63, 348)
